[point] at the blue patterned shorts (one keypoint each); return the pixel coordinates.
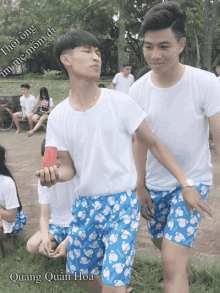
(58, 232)
(19, 223)
(172, 218)
(102, 237)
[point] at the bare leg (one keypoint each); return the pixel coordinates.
(30, 121)
(94, 286)
(35, 241)
(39, 123)
(174, 261)
(191, 278)
(16, 116)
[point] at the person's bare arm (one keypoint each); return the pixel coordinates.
(51, 175)
(61, 249)
(37, 100)
(23, 111)
(214, 122)
(48, 112)
(113, 86)
(140, 149)
(8, 215)
(32, 109)
(163, 155)
(45, 246)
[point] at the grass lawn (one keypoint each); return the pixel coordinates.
(58, 89)
(23, 272)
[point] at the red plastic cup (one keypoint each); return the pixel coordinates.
(50, 156)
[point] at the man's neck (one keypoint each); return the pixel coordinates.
(170, 78)
(27, 96)
(125, 75)
(83, 92)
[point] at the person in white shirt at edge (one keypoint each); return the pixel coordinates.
(180, 101)
(12, 218)
(92, 129)
(43, 111)
(27, 102)
(59, 199)
(123, 80)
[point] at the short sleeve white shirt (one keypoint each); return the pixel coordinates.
(27, 103)
(123, 83)
(99, 142)
(178, 117)
(8, 193)
(60, 197)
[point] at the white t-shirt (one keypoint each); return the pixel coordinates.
(218, 78)
(99, 142)
(178, 117)
(27, 103)
(44, 107)
(60, 197)
(123, 83)
(8, 194)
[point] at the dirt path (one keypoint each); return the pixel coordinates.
(24, 159)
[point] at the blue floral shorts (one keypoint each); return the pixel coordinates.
(172, 218)
(102, 237)
(58, 232)
(19, 223)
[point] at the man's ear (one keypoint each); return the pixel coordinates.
(65, 59)
(182, 44)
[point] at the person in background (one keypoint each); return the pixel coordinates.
(123, 80)
(43, 111)
(101, 85)
(142, 71)
(12, 218)
(27, 102)
(217, 70)
(58, 199)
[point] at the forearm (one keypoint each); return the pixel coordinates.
(32, 109)
(23, 110)
(112, 86)
(66, 173)
(165, 158)
(44, 226)
(48, 112)
(140, 157)
(8, 215)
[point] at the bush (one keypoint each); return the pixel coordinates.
(54, 75)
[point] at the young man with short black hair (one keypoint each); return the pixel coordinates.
(27, 102)
(123, 80)
(180, 101)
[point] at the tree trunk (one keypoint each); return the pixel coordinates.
(210, 17)
(121, 41)
(198, 65)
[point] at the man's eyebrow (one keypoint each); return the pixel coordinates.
(161, 43)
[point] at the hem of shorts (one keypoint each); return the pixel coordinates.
(178, 242)
(113, 285)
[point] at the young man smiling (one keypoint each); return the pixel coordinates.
(180, 102)
(92, 129)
